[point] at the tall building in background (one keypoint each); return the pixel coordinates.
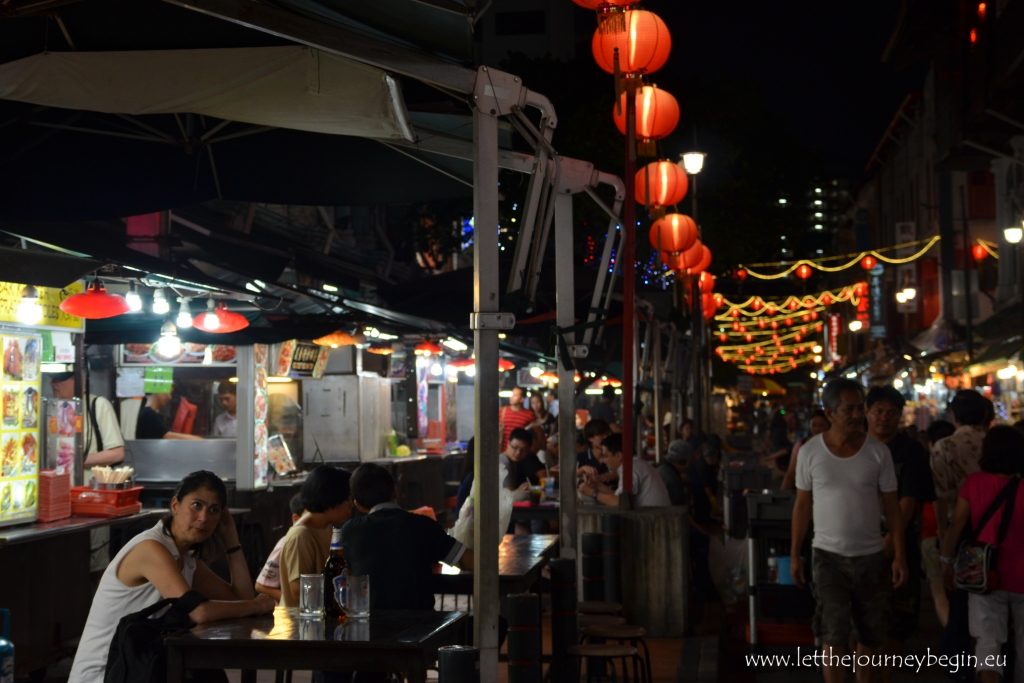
(825, 202)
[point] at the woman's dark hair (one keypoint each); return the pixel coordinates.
(971, 408)
(939, 429)
(596, 427)
(193, 481)
(520, 434)
(372, 485)
(885, 394)
(325, 487)
(1002, 451)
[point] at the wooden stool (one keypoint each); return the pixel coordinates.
(634, 636)
(599, 607)
(587, 620)
(600, 657)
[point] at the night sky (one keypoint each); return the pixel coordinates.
(815, 65)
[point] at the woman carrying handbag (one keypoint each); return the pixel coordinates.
(994, 549)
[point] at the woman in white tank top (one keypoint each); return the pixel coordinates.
(164, 562)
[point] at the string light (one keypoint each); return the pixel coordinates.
(851, 260)
(756, 306)
(990, 247)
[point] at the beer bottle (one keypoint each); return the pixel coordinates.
(335, 579)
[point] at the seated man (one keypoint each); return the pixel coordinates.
(325, 495)
(648, 488)
(397, 549)
(524, 468)
(269, 580)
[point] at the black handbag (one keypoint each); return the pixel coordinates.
(974, 568)
(136, 652)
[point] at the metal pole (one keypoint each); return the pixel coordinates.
(656, 385)
(485, 340)
(968, 258)
(565, 315)
(628, 295)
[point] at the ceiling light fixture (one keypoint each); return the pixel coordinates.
(161, 306)
(184, 319)
(94, 303)
(133, 299)
(29, 312)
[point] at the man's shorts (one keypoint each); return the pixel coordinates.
(855, 590)
(906, 607)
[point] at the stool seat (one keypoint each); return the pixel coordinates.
(599, 607)
(615, 631)
(602, 650)
(588, 620)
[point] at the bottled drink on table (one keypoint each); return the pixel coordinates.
(335, 579)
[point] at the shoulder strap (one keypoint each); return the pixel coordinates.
(96, 433)
(1004, 523)
(991, 509)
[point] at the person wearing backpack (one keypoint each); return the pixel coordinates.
(167, 562)
(990, 499)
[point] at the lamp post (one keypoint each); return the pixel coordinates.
(693, 163)
(1013, 235)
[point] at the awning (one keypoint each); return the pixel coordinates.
(291, 87)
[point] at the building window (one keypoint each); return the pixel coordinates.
(519, 23)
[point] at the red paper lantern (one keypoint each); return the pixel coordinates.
(673, 260)
(735, 312)
(641, 38)
(979, 252)
(868, 262)
(673, 233)
(723, 337)
(603, 4)
(706, 282)
(719, 299)
(657, 114)
(707, 303)
(749, 338)
(803, 271)
(789, 322)
(826, 299)
(741, 274)
(662, 183)
(94, 303)
(762, 323)
(861, 289)
(793, 304)
(703, 256)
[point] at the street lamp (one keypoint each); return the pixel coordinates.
(1013, 235)
(692, 163)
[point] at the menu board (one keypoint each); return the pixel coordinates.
(217, 355)
(300, 359)
(19, 427)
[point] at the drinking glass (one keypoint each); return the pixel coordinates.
(311, 595)
(357, 598)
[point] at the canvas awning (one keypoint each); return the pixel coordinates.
(292, 87)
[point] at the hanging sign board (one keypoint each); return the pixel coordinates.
(300, 359)
(49, 299)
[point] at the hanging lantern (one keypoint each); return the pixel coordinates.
(809, 302)
(336, 339)
(641, 37)
(673, 260)
(719, 299)
(789, 322)
(706, 282)
(723, 337)
(762, 323)
(861, 289)
(217, 319)
(826, 299)
(868, 262)
(979, 252)
(749, 338)
(793, 304)
(603, 4)
(673, 233)
(804, 271)
(657, 115)
(94, 303)
(707, 303)
(697, 258)
(741, 274)
(662, 183)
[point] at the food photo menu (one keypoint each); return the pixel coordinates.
(19, 427)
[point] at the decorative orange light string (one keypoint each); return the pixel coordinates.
(852, 260)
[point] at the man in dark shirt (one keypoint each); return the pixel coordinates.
(673, 471)
(914, 487)
(524, 467)
(395, 548)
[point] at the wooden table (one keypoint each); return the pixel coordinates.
(402, 641)
(520, 560)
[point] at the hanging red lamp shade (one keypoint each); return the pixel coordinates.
(804, 271)
(603, 4)
(381, 349)
(336, 339)
(868, 262)
(703, 259)
(979, 252)
(662, 183)
(427, 348)
(460, 363)
(706, 282)
(657, 113)
(94, 303)
(219, 320)
(504, 365)
(673, 233)
(641, 38)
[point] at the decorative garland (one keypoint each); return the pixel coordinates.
(755, 306)
(852, 260)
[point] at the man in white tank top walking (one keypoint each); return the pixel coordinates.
(846, 479)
